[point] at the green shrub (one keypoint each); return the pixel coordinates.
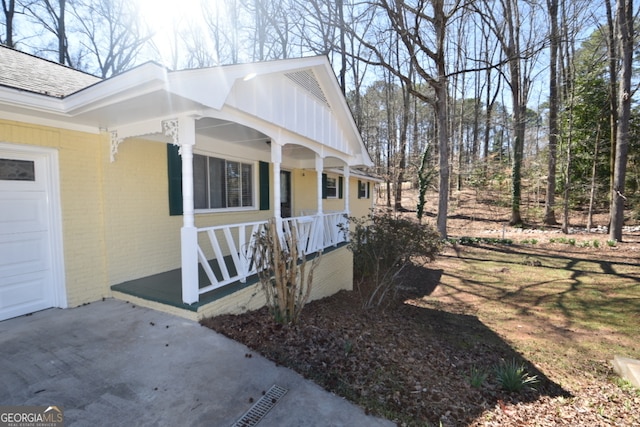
(513, 377)
(383, 246)
(477, 376)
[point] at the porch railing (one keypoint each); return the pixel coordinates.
(225, 251)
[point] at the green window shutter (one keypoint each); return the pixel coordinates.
(359, 193)
(174, 168)
(340, 184)
(324, 185)
(368, 190)
(264, 185)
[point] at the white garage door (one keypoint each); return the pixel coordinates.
(28, 279)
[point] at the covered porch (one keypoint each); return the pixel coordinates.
(215, 252)
(245, 143)
(221, 275)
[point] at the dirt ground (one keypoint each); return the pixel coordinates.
(413, 361)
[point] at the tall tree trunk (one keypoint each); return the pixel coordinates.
(613, 96)
(404, 130)
(550, 215)
(63, 55)
(594, 169)
(443, 154)
(624, 18)
(343, 49)
(567, 177)
(9, 8)
(460, 143)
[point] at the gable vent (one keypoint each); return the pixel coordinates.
(306, 80)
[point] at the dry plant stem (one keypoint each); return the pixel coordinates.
(287, 288)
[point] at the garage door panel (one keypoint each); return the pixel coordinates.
(22, 253)
(23, 212)
(24, 294)
(28, 224)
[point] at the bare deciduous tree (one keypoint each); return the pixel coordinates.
(51, 15)
(113, 33)
(625, 34)
(514, 24)
(9, 9)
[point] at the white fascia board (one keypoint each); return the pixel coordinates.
(358, 174)
(41, 119)
(128, 85)
(32, 101)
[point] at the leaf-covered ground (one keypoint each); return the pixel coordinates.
(413, 361)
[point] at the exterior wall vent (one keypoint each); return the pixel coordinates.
(306, 80)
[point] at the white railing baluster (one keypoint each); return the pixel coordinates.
(219, 255)
(314, 232)
(233, 252)
(207, 268)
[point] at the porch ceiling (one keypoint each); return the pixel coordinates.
(236, 133)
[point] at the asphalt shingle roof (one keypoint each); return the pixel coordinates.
(27, 72)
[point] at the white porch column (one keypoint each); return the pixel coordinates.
(347, 175)
(319, 169)
(276, 159)
(184, 134)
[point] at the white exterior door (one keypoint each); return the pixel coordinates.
(29, 275)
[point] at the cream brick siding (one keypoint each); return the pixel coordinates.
(115, 216)
(304, 190)
(81, 204)
(141, 237)
(333, 274)
(360, 207)
(305, 195)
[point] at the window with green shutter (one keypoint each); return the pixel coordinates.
(217, 183)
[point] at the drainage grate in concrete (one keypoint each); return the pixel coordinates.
(261, 407)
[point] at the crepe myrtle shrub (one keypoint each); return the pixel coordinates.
(383, 246)
(285, 275)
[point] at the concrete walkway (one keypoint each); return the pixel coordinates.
(111, 363)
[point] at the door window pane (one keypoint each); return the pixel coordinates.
(17, 170)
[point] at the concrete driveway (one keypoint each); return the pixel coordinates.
(112, 363)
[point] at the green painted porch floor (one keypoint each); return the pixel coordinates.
(166, 288)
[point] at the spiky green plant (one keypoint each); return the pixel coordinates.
(477, 376)
(513, 376)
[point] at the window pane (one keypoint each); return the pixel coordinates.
(17, 170)
(233, 185)
(217, 183)
(362, 190)
(247, 185)
(200, 182)
(331, 187)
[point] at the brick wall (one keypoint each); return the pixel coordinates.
(81, 204)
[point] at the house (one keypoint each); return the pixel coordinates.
(148, 186)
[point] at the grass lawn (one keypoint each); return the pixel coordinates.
(562, 310)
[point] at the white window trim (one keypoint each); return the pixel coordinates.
(337, 179)
(256, 184)
(366, 189)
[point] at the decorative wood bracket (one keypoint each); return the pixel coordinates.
(115, 143)
(171, 128)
